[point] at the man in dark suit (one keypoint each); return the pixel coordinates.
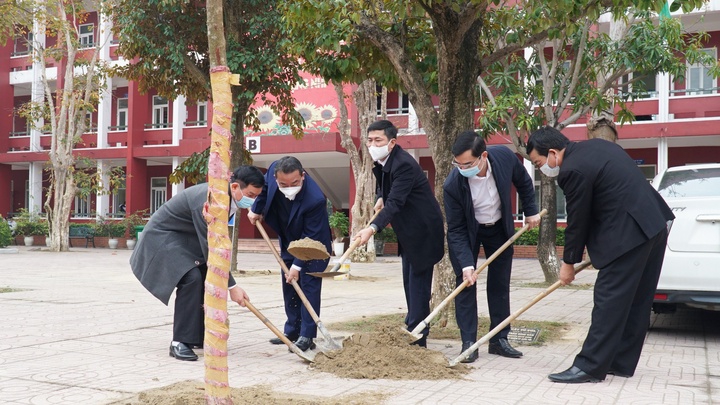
(409, 205)
(295, 208)
(172, 255)
(614, 212)
(478, 211)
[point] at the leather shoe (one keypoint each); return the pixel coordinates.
(472, 357)
(502, 347)
(278, 341)
(182, 352)
(619, 374)
(303, 343)
(573, 375)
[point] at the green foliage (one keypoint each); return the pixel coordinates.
(132, 221)
(340, 224)
(30, 224)
(109, 228)
(5, 233)
(194, 169)
(531, 236)
(387, 235)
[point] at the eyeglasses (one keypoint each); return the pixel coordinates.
(464, 165)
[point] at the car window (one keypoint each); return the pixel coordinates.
(691, 183)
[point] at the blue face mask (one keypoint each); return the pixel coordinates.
(473, 171)
(245, 202)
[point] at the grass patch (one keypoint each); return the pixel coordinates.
(544, 285)
(549, 331)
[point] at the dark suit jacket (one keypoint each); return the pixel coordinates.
(308, 218)
(411, 208)
(611, 207)
(173, 242)
(507, 170)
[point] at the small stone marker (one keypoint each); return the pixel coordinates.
(524, 335)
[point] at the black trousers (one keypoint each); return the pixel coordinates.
(299, 322)
(417, 283)
(623, 297)
(497, 287)
(189, 316)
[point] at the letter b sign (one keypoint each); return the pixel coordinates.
(252, 144)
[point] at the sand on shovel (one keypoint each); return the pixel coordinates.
(308, 249)
(386, 354)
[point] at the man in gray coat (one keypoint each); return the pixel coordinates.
(173, 253)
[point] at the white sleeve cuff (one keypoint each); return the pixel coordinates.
(471, 268)
(295, 267)
(232, 286)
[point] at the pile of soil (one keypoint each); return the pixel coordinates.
(387, 354)
(193, 393)
(308, 249)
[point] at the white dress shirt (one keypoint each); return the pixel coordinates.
(485, 197)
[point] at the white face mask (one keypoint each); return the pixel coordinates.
(550, 171)
(379, 152)
(290, 192)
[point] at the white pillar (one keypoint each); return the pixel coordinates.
(177, 188)
(105, 104)
(37, 91)
(662, 157)
(35, 187)
(102, 199)
(663, 87)
(179, 116)
(415, 153)
(413, 122)
(530, 167)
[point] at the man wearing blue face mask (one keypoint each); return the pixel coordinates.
(295, 208)
(479, 211)
(172, 256)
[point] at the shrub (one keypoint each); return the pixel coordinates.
(5, 233)
(30, 224)
(531, 236)
(387, 235)
(112, 229)
(340, 225)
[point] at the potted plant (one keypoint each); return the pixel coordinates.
(132, 224)
(112, 229)
(340, 225)
(29, 225)
(387, 235)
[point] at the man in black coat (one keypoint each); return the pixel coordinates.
(295, 207)
(614, 212)
(173, 251)
(478, 210)
(408, 204)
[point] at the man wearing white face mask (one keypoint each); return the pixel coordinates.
(411, 208)
(295, 208)
(614, 212)
(172, 256)
(479, 211)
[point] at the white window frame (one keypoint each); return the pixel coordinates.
(202, 114)
(26, 41)
(161, 112)
(625, 87)
(158, 194)
(693, 89)
(121, 115)
(82, 206)
(119, 197)
(87, 38)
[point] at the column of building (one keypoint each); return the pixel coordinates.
(104, 117)
(37, 95)
(6, 125)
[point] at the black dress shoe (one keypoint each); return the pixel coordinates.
(182, 352)
(278, 341)
(619, 374)
(573, 375)
(472, 357)
(502, 347)
(303, 343)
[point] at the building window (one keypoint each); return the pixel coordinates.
(642, 86)
(22, 45)
(202, 114)
(122, 114)
(699, 80)
(158, 193)
(119, 199)
(82, 206)
(649, 171)
(397, 102)
(87, 35)
(161, 112)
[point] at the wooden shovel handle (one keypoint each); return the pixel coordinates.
(355, 243)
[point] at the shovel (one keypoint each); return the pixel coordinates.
(330, 341)
(514, 315)
(415, 333)
(309, 356)
(332, 271)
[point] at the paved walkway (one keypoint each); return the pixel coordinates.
(82, 330)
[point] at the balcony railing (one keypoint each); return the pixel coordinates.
(159, 125)
(195, 123)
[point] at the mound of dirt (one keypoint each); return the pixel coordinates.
(386, 354)
(308, 249)
(193, 393)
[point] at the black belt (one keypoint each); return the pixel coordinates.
(489, 225)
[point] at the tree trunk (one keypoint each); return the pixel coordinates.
(546, 248)
(361, 164)
(217, 324)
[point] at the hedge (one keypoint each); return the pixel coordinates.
(530, 237)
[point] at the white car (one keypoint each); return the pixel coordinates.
(691, 271)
